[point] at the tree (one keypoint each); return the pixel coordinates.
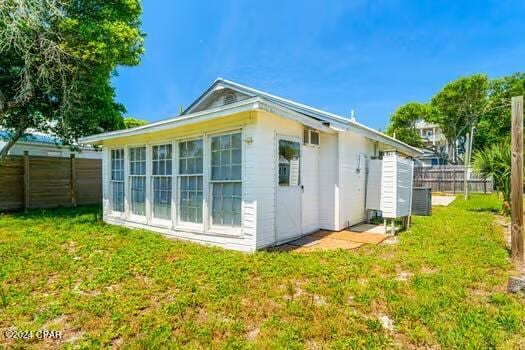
(403, 123)
(494, 125)
(458, 107)
(132, 122)
(56, 61)
(495, 161)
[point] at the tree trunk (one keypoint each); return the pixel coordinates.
(18, 133)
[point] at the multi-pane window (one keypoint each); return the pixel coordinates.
(226, 160)
(190, 180)
(117, 180)
(137, 177)
(161, 179)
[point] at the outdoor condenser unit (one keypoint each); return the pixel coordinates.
(422, 201)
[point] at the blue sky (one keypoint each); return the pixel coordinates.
(370, 56)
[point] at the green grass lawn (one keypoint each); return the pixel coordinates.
(443, 286)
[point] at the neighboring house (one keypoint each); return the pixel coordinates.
(435, 144)
(241, 169)
(40, 144)
(430, 158)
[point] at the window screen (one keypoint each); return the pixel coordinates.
(190, 180)
(137, 171)
(226, 175)
(117, 180)
(161, 178)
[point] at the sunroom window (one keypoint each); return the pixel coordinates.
(190, 181)
(117, 180)
(226, 161)
(161, 181)
(137, 177)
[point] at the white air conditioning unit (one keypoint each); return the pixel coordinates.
(311, 137)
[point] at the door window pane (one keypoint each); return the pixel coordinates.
(289, 163)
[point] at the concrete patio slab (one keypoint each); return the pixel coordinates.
(329, 244)
(352, 238)
(369, 228)
(305, 241)
(360, 237)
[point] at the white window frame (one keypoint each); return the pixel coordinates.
(143, 219)
(152, 219)
(114, 213)
(178, 223)
(237, 231)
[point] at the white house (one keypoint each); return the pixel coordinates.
(45, 145)
(241, 169)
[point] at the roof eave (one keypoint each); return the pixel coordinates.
(244, 105)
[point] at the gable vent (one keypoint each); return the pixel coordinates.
(228, 99)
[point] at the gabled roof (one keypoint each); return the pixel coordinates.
(256, 99)
(333, 120)
(294, 106)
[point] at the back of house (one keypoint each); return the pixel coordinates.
(241, 169)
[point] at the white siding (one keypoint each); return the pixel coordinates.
(265, 173)
(328, 186)
(404, 186)
(105, 182)
(396, 186)
(352, 184)
(373, 186)
(310, 181)
(388, 186)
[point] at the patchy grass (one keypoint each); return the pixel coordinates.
(443, 285)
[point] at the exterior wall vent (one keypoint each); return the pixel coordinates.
(229, 99)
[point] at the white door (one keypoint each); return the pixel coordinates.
(288, 214)
(310, 182)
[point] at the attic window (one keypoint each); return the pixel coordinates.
(230, 98)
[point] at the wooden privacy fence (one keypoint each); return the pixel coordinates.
(450, 178)
(47, 182)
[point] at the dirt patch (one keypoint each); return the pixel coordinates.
(505, 224)
(403, 276)
(253, 333)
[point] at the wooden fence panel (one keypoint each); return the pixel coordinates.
(449, 178)
(89, 181)
(46, 182)
(49, 182)
(12, 183)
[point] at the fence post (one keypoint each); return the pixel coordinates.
(465, 164)
(517, 180)
(454, 181)
(26, 181)
(73, 180)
